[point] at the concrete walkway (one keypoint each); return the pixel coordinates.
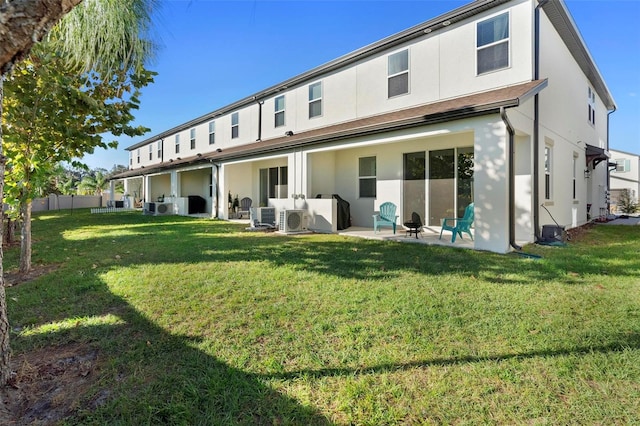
(631, 220)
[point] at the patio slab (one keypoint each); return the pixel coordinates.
(430, 236)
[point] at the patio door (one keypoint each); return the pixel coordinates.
(413, 185)
(450, 183)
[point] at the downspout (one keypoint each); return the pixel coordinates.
(259, 119)
(608, 170)
(161, 150)
(511, 174)
(536, 123)
(217, 166)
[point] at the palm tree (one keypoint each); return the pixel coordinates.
(93, 184)
(102, 36)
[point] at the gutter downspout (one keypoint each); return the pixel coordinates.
(259, 119)
(536, 123)
(511, 173)
(217, 166)
(608, 170)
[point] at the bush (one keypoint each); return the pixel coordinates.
(627, 203)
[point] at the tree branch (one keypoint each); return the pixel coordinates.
(25, 22)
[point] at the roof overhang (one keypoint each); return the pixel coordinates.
(477, 104)
(595, 155)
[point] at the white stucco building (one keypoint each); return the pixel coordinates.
(497, 102)
(624, 174)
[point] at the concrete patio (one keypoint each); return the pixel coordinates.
(429, 235)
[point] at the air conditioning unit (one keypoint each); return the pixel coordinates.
(292, 221)
(149, 209)
(263, 216)
(164, 209)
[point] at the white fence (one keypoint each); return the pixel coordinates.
(60, 202)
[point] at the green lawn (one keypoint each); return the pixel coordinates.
(199, 322)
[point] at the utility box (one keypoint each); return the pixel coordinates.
(552, 233)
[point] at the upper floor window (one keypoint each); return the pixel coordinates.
(212, 132)
(315, 99)
(150, 151)
(592, 107)
(279, 111)
(398, 74)
(235, 125)
(623, 165)
(138, 152)
(177, 144)
(492, 43)
(367, 177)
(192, 138)
(160, 149)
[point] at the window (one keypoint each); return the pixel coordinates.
(279, 111)
(235, 125)
(398, 74)
(492, 43)
(150, 152)
(547, 172)
(177, 144)
(591, 118)
(273, 183)
(575, 172)
(315, 99)
(160, 149)
(192, 138)
(138, 152)
(212, 132)
(367, 177)
(623, 165)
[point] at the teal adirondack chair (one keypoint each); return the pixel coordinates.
(459, 225)
(386, 217)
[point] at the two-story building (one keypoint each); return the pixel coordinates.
(624, 175)
(484, 104)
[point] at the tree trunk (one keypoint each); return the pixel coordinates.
(5, 370)
(25, 22)
(25, 238)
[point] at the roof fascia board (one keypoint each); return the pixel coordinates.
(420, 30)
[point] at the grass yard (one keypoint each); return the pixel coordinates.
(194, 321)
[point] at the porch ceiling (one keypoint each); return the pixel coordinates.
(451, 109)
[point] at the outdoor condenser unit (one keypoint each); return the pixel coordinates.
(292, 221)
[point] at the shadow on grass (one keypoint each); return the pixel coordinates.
(150, 376)
(625, 342)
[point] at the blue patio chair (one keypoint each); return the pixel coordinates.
(459, 225)
(386, 217)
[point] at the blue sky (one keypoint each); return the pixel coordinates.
(213, 53)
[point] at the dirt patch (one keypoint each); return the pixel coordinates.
(49, 385)
(12, 278)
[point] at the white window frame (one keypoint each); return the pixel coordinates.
(279, 112)
(192, 138)
(495, 43)
(373, 177)
(391, 75)
(591, 95)
(317, 99)
(138, 152)
(150, 151)
(235, 125)
(177, 140)
(623, 165)
(160, 149)
(212, 132)
(548, 172)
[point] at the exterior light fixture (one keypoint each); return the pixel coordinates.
(288, 133)
(587, 173)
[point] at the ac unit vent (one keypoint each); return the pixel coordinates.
(292, 221)
(164, 209)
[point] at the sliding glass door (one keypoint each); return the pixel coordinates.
(414, 185)
(450, 183)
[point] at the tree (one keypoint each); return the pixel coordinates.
(94, 183)
(626, 202)
(25, 22)
(53, 114)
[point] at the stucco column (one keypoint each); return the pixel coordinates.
(491, 186)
